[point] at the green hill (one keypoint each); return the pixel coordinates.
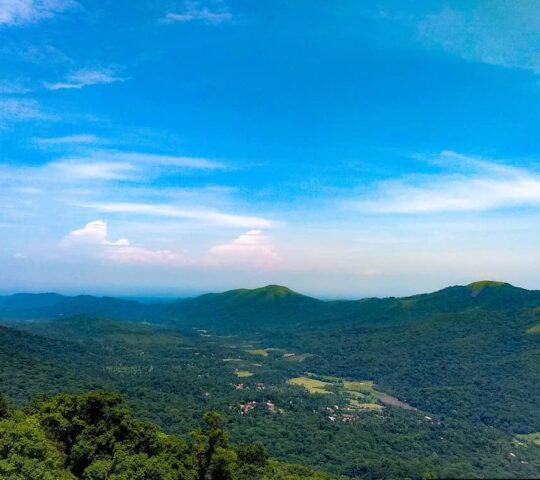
(465, 357)
(244, 309)
(51, 306)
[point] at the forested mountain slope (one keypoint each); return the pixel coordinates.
(237, 311)
(51, 305)
(434, 385)
(95, 437)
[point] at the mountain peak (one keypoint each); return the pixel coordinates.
(276, 290)
(477, 287)
(269, 292)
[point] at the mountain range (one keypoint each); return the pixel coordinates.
(460, 366)
(270, 306)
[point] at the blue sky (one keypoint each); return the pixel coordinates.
(344, 149)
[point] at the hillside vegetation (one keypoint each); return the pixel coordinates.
(95, 437)
(439, 385)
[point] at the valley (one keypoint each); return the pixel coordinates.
(442, 391)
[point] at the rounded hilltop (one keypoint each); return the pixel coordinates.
(477, 287)
(269, 292)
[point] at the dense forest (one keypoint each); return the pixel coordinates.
(441, 385)
(93, 436)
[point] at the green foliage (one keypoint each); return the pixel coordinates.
(94, 436)
(462, 356)
(26, 453)
(4, 407)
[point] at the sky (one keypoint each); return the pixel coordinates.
(344, 149)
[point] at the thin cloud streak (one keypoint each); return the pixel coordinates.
(81, 139)
(492, 186)
(194, 12)
(103, 164)
(16, 110)
(84, 78)
(157, 210)
(494, 32)
(21, 12)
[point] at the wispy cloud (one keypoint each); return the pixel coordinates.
(195, 12)
(153, 159)
(115, 165)
(253, 248)
(95, 170)
(80, 139)
(487, 185)
(10, 87)
(495, 32)
(21, 12)
(171, 211)
(14, 110)
(84, 78)
(100, 165)
(139, 160)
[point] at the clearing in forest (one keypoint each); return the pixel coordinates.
(534, 329)
(529, 438)
(361, 395)
(310, 384)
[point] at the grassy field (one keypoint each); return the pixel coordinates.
(258, 351)
(359, 395)
(529, 438)
(299, 357)
(243, 373)
(534, 329)
(263, 352)
(353, 403)
(364, 386)
(310, 384)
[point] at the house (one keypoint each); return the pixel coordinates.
(270, 406)
(245, 408)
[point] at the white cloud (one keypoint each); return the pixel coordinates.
(486, 186)
(11, 87)
(252, 249)
(165, 160)
(92, 239)
(70, 139)
(496, 32)
(140, 160)
(93, 233)
(194, 12)
(13, 110)
(175, 212)
(97, 170)
(20, 12)
(96, 164)
(84, 78)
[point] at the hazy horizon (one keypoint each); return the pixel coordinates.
(167, 295)
(345, 152)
